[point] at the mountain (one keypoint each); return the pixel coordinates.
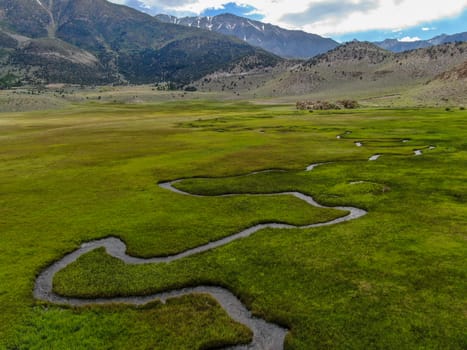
(282, 42)
(353, 52)
(95, 41)
(359, 70)
(364, 69)
(395, 45)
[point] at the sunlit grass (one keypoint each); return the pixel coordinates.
(395, 278)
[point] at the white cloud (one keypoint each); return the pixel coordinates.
(409, 39)
(326, 17)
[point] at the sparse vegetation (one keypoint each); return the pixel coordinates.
(8, 81)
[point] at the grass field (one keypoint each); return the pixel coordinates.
(394, 279)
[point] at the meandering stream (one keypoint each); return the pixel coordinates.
(266, 336)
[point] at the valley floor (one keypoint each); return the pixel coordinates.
(394, 278)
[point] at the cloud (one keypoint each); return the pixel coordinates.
(335, 9)
(327, 17)
(386, 15)
(154, 7)
(409, 39)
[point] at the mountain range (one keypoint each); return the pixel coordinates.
(291, 43)
(359, 70)
(282, 42)
(94, 42)
(98, 42)
(395, 45)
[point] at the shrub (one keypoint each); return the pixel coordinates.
(349, 104)
(326, 105)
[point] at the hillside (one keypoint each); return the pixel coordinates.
(356, 69)
(95, 41)
(352, 53)
(449, 87)
(282, 42)
(457, 73)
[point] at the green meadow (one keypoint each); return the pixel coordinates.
(393, 279)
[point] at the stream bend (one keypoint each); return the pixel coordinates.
(266, 336)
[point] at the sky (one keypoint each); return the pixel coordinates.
(342, 20)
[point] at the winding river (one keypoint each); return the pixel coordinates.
(266, 336)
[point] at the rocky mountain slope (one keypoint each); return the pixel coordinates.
(95, 42)
(282, 42)
(457, 73)
(355, 69)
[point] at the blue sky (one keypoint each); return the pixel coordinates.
(343, 20)
(231, 7)
(424, 31)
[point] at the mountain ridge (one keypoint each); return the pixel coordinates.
(292, 43)
(130, 46)
(397, 46)
(354, 70)
(272, 38)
